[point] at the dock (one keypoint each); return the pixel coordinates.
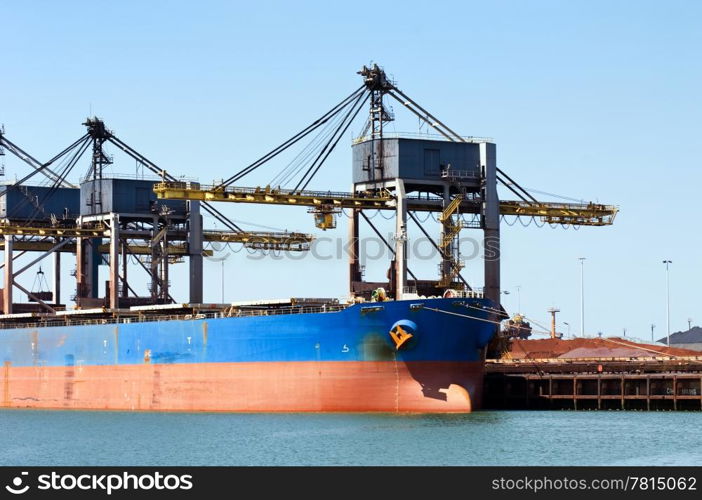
(656, 383)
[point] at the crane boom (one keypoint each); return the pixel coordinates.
(262, 240)
(577, 214)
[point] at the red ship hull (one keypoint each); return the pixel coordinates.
(363, 386)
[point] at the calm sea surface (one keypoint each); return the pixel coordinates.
(29, 437)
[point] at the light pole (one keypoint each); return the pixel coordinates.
(582, 296)
(553, 311)
(667, 298)
(568, 325)
(689, 323)
(519, 298)
(652, 338)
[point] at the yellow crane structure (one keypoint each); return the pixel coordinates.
(576, 214)
(268, 240)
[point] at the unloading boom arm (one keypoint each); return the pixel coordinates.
(577, 214)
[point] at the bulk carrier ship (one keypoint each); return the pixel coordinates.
(397, 345)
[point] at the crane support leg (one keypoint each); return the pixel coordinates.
(7, 292)
(114, 261)
(87, 262)
(56, 283)
(400, 239)
(124, 289)
(354, 262)
(195, 252)
(491, 222)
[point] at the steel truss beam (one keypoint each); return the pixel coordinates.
(577, 214)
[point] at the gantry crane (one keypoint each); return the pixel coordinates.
(33, 220)
(448, 191)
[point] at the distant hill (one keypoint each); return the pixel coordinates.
(691, 336)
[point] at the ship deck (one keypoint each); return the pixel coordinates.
(170, 312)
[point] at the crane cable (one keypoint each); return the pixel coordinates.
(48, 163)
(207, 207)
(297, 137)
(80, 143)
(363, 97)
(57, 184)
(298, 163)
(462, 315)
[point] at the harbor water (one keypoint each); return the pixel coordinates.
(83, 438)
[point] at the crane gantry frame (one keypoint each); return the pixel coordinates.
(31, 233)
(376, 197)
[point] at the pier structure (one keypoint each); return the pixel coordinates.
(656, 383)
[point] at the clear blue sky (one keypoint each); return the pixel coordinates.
(589, 99)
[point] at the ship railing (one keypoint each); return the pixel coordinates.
(476, 293)
(106, 321)
(146, 318)
(236, 312)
